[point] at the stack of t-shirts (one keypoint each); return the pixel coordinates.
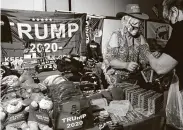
(155, 103)
(144, 99)
(134, 96)
(127, 89)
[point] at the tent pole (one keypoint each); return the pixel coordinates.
(45, 5)
(70, 5)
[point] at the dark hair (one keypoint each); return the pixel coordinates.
(170, 3)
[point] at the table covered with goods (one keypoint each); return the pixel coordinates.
(59, 101)
(139, 109)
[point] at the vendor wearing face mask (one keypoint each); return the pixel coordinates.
(123, 53)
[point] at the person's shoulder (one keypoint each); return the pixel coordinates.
(178, 25)
(113, 42)
(142, 38)
(178, 28)
(176, 34)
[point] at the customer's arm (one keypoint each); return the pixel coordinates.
(163, 64)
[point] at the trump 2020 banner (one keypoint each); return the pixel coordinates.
(54, 33)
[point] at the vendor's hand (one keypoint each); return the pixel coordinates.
(131, 66)
(34, 104)
(110, 87)
(111, 71)
(27, 108)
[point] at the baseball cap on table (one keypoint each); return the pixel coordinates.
(134, 11)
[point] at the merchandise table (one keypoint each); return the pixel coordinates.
(154, 122)
(150, 123)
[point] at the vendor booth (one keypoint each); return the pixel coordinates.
(50, 73)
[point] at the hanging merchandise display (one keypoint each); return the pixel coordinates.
(94, 33)
(94, 25)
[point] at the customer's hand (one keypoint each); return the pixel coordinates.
(156, 54)
(131, 66)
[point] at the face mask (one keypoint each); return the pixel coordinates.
(134, 27)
